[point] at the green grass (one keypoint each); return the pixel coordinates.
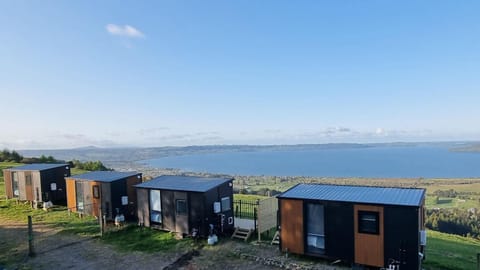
(134, 238)
(75, 171)
(450, 252)
(248, 197)
(431, 202)
(57, 217)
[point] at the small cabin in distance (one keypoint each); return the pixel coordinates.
(40, 182)
(108, 190)
(183, 203)
(370, 226)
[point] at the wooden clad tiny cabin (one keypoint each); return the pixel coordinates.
(37, 182)
(183, 203)
(111, 191)
(371, 226)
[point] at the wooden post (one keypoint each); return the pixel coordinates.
(255, 221)
(100, 219)
(31, 253)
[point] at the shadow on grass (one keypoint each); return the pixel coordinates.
(134, 238)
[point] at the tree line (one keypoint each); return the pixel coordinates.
(454, 221)
(14, 156)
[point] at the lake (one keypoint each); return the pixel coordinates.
(375, 162)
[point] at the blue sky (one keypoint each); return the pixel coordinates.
(109, 73)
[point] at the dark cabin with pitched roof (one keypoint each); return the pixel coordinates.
(112, 191)
(37, 182)
(371, 226)
(183, 203)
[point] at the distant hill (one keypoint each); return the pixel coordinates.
(115, 156)
(470, 147)
(112, 156)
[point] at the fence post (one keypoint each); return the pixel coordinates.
(100, 219)
(255, 219)
(240, 203)
(31, 253)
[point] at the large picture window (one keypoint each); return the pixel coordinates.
(155, 206)
(368, 222)
(315, 228)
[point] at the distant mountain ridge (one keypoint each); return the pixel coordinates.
(122, 155)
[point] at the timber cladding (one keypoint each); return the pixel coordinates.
(71, 195)
(96, 191)
(369, 247)
(291, 232)
(7, 177)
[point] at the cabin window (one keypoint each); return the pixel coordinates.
(155, 206)
(368, 222)
(53, 186)
(226, 204)
(96, 191)
(79, 195)
(16, 192)
(181, 207)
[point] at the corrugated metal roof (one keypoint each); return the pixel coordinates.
(184, 183)
(37, 167)
(360, 194)
(103, 176)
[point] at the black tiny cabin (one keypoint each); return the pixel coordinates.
(109, 191)
(182, 204)
(37, 182)
(370, 226)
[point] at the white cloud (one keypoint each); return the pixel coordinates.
(124, 31)
(380, 131)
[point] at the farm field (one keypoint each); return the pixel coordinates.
(467, 191)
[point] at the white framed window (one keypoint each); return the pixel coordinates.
(226, 204)
(155, 206)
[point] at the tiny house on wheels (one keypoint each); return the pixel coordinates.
(183, 204)
(111, 191)
(369, 226)
(37, 182)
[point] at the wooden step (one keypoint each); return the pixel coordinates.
(242, 234)
(276, 238)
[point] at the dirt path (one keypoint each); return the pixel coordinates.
(67, 251)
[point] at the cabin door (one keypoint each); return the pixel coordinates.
(315, 234)
(181, 212)
(28, 186)
(369, 246)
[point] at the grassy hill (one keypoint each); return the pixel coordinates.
(444, 251)
(451, 252)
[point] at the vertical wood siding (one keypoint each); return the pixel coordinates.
(143, 206)
(7, 176)
(71, 195)
(291, 235)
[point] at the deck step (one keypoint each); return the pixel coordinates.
(242, 234)
(276, 238)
